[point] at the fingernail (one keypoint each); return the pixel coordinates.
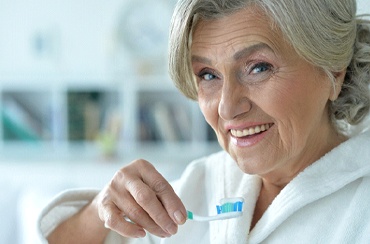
(179, 217)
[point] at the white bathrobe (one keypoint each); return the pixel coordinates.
(329, 202)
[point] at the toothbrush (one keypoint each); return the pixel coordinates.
(228, 208)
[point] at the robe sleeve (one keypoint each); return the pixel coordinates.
(62, 207)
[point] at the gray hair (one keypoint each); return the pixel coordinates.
(326, 33)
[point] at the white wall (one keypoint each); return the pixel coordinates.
(77, 35)
(363, 6)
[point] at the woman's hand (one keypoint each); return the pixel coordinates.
(138, 198)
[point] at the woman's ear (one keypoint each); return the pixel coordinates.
(338, 82)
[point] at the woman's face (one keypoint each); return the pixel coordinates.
(267, 105)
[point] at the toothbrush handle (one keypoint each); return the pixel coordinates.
(222, 216)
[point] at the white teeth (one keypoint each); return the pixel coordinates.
(250, 131)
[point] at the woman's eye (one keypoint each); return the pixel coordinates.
(257, 72)
(208, 76)
(261, 67)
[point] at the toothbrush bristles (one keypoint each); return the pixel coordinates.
(230, 207)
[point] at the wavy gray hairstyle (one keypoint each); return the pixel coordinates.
(327, 33)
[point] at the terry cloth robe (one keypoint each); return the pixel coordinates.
(329, 202)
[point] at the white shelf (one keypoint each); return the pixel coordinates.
(53, 107)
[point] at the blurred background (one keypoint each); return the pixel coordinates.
(84, 90)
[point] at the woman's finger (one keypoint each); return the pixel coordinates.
(141, 194)
(148, 201)
(166, 195)
(135, 213)
(114, 220)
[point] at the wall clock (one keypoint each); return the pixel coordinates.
(144, 28)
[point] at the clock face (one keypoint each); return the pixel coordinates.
(144, 27)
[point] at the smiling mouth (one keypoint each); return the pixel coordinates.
(250, 131)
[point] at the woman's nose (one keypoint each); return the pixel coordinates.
(234, 100)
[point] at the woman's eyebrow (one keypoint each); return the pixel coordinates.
(251, 49)
(237, 56)
(200, 59)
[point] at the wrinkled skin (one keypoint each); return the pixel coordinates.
(139, 193)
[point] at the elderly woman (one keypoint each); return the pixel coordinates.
(280, 82)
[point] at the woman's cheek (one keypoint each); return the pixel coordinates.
(209, 109)
(209, 106)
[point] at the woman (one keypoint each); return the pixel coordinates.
(279, 82)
